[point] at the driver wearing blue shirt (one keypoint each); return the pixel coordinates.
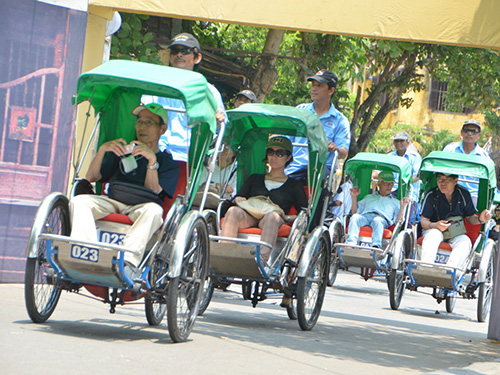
(185, 53)
(335, 124)
(471, 132)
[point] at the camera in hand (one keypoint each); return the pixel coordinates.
(128, 161)
(129, 148)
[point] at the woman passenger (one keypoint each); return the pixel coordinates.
(282, 190)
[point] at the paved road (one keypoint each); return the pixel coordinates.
(357, 333)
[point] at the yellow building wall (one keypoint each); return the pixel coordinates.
(420, 114)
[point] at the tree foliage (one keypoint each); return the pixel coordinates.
(134, 41)
(278, 72)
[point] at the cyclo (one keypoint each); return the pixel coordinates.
(363, 256)
(447, 282)
(175, 264)
(299, 262)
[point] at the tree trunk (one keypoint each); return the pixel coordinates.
(266, 75)
(363, 115)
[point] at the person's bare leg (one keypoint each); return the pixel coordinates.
(270, 224)
(235, 219)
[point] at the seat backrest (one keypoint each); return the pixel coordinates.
(472, 231)
(180, 189)
(293, 210)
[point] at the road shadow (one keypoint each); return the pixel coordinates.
(384, 342)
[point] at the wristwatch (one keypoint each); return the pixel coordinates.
(156, 165)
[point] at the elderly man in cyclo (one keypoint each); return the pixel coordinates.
(379, 210)
(147, 169)
(443, 206)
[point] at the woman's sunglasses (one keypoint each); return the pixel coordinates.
(278, 153)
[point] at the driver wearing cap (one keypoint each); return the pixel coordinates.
(244, 96)
(471, 132)
(153, 169)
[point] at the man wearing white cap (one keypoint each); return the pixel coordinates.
(401, 142)
(152, 169)
(244, 96)
(471, 132)
(379, 210)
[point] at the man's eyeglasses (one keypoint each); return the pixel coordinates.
(278, 153)
(471, 131)
(182, 50)
(146, 123)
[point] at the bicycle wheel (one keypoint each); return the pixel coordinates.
(206, 295)
(246, 290)
(311, 289)
(156, 307)
(291, 309)
(184, 291)
(485, 290)
(451, 300)
(41, 287)
(397, 275)
(208, 290)
(334, 262)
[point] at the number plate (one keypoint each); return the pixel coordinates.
(89, 254)
(111, 237)
(442, 258)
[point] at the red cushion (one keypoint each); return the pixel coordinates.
(472, 233)
(180, 189)
(367, 232)
(118, 218)
(442, 245)
(283, 231)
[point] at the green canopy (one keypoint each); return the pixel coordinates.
(460, 164)
(473, 166)
(116, 87)
(360, 169)
(278, 119)
(99, 85)
(250, 126)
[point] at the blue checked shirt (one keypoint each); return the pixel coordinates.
(387, 207)
(415, 160)
(471, 184)
(337, 130)
(176, 138)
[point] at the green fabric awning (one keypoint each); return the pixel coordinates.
(100, 83)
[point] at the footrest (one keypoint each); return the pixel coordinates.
(428, 275)
(234, 260)
(359, 256)
(85, 265)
